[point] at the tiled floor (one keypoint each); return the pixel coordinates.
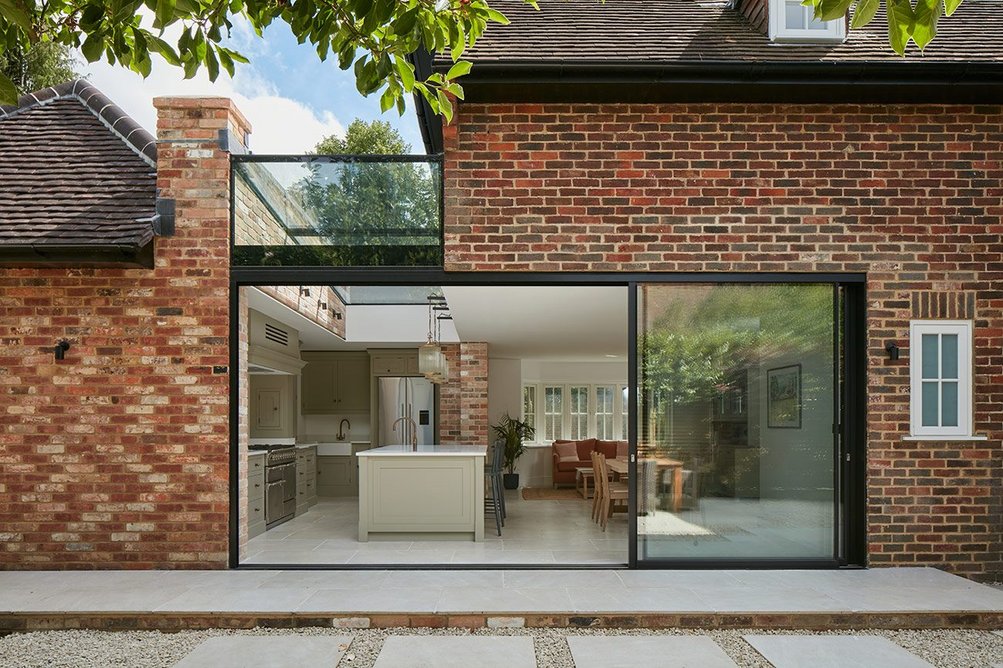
(535, 532)
(635, 651)
(524, 591)
(788, 651)
(560, 532)
(274, 652)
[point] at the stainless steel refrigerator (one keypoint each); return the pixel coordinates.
(406, 397)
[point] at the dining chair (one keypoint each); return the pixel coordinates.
(614, 491)
(597, 488)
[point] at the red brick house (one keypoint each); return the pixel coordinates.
(824, 208)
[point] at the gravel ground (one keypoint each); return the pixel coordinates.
(152, 649)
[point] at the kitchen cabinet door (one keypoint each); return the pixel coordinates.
(353, 385)
(318, 387)
(268, 404)
(335, 475)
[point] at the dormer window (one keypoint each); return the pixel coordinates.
(790, 21)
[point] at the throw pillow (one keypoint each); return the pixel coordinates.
(566, 451)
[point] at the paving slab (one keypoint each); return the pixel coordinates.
(634, 651)
(457, 652)
(291, 651)
(786, 651)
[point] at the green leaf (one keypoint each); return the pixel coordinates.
(445, 104)
(497, 17)
(387, 100)
(454, 89)
(212, 65)
(864, 13)
(927, 14)
(830, 10)
(361, 8)
(165, 12)
(17, 16)
(405, 72)
(951, 5)
(92, 47)
(900, 24)
(459, 69)
(8, 91)
(404, 23)
(165, 50)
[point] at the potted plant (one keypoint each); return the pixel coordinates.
(512, 432)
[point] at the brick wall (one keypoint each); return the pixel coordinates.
(116, 457)
(909, 195)
(463, 396)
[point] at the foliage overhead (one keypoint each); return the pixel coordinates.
(908, 20)
(372, 37)
(37, 66)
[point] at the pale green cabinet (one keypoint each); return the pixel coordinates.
(336, 475)
(273, 406)
(335, 383)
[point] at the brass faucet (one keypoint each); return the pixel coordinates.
(409, 423)
(341, 425)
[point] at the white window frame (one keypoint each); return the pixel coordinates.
(963, 329)
(835, 30)
(594, 396)
(565, 429)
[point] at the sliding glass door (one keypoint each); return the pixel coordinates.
(738, 448)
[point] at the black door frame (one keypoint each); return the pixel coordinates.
(852, 426)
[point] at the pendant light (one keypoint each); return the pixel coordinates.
(431, 360)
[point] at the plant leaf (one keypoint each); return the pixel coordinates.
(830, 10)
(900, 24)
(16, 15)
(8, 91)
(927, 14)
(405, 73)
(864, 13)
(951, 5)
(459, 69)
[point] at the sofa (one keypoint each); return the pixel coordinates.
(570, 455)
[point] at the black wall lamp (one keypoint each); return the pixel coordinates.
(305, 292)
(893, 350)
(61, 348)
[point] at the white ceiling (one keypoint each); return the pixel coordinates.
(558, 323)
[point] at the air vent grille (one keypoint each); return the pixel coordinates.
(276, 335)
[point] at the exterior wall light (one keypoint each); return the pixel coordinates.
(893, 350)
(61, 348)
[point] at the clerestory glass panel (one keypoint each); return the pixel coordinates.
(337, 211)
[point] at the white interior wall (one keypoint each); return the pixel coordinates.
(586, 372)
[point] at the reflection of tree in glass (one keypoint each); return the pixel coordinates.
(387, 210)
(702, 337)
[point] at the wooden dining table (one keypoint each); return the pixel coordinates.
(621, 467)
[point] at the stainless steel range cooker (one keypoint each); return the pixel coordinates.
(280, 482)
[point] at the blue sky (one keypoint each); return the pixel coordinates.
(291, 98)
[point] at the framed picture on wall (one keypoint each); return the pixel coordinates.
(783, 397)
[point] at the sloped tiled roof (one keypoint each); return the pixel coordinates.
(684, 31)
(75, 171)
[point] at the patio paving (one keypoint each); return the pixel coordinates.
(456, 652)
(634, 651)
(274, 652)
(584, 593)
(785, 651)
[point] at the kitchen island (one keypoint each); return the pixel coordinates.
(432, 492)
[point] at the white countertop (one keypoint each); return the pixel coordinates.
(429, 450)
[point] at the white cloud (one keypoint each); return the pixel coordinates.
(279, 124)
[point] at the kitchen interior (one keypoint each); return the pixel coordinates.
(349, 457)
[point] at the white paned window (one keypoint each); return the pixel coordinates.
(605, 414)
(790, 21)
(940, 371)
(578, 412)
(574, 411)
(529, 405)
(553, 412)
